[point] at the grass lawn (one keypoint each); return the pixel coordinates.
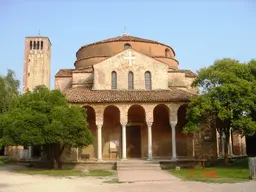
(236, 172)
(63, 173)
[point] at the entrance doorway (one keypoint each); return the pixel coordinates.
(133, 141)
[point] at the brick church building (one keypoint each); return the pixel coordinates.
(135, 97)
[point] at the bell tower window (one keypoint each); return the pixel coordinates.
(167, 53)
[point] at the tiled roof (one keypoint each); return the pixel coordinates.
(64, 73)
(68, 72)
(85, 95)
(127, 38)
(188, 73)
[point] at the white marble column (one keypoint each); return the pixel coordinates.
(174, 154)
(99, 139)
(123, 141)
(230, 143)
(150, 156)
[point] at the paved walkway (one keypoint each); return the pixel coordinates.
(13, 182)
(144, 175)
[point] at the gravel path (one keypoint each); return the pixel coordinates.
(14, 182)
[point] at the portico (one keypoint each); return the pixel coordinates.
(140, 131)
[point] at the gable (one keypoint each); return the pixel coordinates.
(123, 63)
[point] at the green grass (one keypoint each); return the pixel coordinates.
(236, 172)
(63, 173)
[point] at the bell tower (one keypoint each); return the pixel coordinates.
(37, 62)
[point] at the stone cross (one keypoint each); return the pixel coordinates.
(129, 58)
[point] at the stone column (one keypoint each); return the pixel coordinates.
(123, 141)
(150, 156)
(240, 144)
(223, 144)
(99, 139)
(174, 154)
(30, 152)
(230, 143)
(193, 146)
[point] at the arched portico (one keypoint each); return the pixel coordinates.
(161, 132)
(135, 132)
(184, 142)
(90, 152)
(111, 133)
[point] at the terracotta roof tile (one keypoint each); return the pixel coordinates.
(85, 95)
(64, 73)
(128, 38)
(188, 73)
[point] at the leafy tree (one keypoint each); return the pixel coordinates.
(9, 86)
(228, 98)
(45, 118)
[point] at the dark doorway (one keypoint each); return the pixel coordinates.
(1, 150)
(133, 141)
(250, 145)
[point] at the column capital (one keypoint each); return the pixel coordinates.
(123, 123)
(149, 124)
(99, 124)
(173, 124)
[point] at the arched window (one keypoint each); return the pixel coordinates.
(127, 46)
(114, 80)
(167, 53)
(30, 45)
(130, 81)
(42, 44)
(148, 80)
(37, 46)
(34, 46)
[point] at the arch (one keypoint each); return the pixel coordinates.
(136, 114)
(114, 80)
(167, 53)
(161, 132)
(184, 142)
(111, 133)
(127, 46)
(130, 80)
(90, 152)
(148, 85)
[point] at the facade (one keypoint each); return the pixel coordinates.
(135, 98)
(37, 62)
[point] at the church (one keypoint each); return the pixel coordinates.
(135, 97)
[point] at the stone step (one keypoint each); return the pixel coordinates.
(139, 165)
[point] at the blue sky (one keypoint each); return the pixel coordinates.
(199, 31)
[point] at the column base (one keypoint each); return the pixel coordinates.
(124, 159)
(150, 159)
(174, 159)
(99, 160)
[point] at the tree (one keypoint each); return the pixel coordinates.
(228, 98)
(45, 118)
(9, 86)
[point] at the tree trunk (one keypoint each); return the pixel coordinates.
(54, 153)
(226, 156)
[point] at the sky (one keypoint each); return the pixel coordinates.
(199, 31)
